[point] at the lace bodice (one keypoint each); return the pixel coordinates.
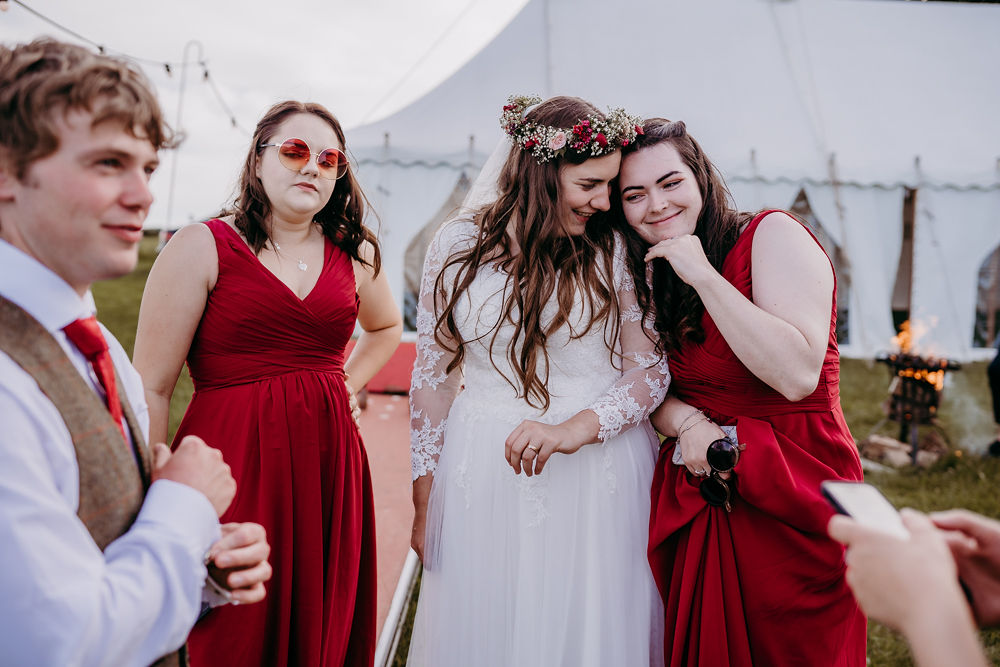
(622, 390)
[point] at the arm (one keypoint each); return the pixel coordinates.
(911, 585)
(380, 320)
(64, 601)
(781, 336)
(432, 388)
(172, 305)
(639, 390)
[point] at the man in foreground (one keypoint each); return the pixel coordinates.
(105, 542)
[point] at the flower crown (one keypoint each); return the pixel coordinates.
(590, 137)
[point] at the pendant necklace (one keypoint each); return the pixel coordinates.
(302, 265)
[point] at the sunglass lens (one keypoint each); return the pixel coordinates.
(332, 163)
(715, 492)
(722, 455)
(293, 154)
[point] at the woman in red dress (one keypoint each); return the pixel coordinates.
(745, 309)
(262, 302)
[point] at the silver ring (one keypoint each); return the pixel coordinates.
(700, 472)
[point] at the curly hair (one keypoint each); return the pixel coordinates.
(675, 305)
(522, 232)
(42, 81)
(341, 220)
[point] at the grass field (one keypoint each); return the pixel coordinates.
(962, 479)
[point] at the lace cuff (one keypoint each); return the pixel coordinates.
(645, 377)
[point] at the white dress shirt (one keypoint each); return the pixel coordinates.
(63, 601)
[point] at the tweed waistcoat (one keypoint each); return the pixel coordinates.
(113, 477)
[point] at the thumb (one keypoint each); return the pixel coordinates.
(161, 454)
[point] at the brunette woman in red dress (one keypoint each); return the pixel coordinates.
(745, 309)
(262, 302)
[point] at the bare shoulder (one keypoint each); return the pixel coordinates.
(779, 232)
(191, 252)
(782, 241)
(780, 223)
(191, 238)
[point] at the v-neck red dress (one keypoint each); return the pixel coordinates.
(269, 392)
(762, 585)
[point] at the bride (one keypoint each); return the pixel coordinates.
(531, 449)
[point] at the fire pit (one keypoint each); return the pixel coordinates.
(915, 388)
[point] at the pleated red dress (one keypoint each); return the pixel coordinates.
(762, 585)
(269, 392)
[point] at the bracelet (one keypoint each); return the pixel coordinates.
(684, 430)
(694, 413)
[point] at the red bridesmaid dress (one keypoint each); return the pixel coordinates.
(762, 585)
(269, 392)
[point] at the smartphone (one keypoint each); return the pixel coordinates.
(865, 504)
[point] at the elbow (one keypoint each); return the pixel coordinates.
(797, 388)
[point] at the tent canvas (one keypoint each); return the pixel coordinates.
(856, 104)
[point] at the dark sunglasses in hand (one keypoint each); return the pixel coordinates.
(294, 154)
(722, 455)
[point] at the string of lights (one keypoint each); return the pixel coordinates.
(168, 67)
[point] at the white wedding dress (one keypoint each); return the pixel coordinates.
(550, 570)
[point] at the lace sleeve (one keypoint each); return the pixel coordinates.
(645, 375)
(432, 388)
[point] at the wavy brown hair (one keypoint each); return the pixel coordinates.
(42, 81)
(676, 305)
(342, 219)
(521, 231)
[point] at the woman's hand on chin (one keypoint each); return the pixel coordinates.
(686, 256)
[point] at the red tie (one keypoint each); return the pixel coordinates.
(86, 335)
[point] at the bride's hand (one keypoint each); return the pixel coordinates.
(529, 446)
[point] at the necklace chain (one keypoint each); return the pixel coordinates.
(302, 265)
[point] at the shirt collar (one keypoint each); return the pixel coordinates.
(39, 291)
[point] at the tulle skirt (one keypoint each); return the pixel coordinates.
(543, 571)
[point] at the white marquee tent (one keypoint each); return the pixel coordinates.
(859, 105)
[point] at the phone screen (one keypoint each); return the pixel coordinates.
(866, 505)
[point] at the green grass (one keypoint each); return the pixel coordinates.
(962, 479)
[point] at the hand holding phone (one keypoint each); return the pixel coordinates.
(866, 505)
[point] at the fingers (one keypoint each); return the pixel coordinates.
(527, 448)
(974, 525)
(542, 458)
(242, 545)
(255, 593)
(916, 522)
(201, 467)
(247, 584)
(660, 250)
(352, 402)
(842, 529)
(514, 447)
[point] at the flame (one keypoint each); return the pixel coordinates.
(910, 335)
(932, 377)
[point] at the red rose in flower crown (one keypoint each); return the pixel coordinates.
(590, 137)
